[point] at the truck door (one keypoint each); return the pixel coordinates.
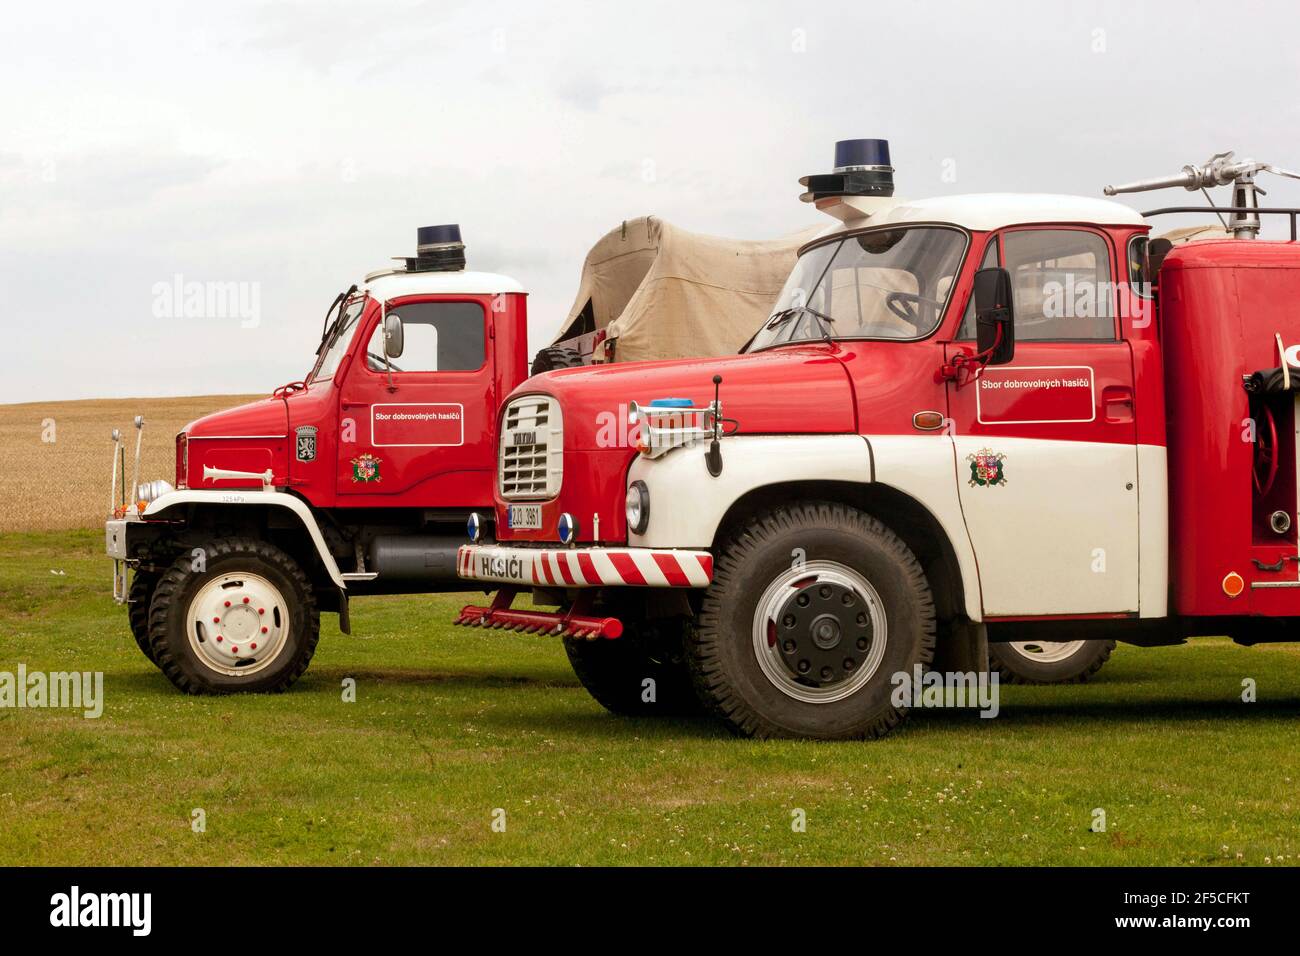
(426, 440)
(1046, 445)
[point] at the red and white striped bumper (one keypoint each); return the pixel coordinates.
(585, 567)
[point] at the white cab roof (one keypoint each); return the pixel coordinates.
(393, 285)
(982, 211)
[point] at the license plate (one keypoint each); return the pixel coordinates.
(525, 517)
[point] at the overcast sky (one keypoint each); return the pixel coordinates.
(292, 147)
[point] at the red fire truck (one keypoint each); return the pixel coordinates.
(969, 420)
(356, 480)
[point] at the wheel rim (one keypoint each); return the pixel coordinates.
(819, 632)
(238, 624)
(1046, 652)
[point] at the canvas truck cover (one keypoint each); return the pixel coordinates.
(663, 292)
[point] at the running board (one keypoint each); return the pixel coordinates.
(568, 624)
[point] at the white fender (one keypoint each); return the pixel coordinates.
(925, 468)
(239, 497)
(687, 504)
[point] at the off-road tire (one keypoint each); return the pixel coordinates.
(721, 653)
(170, 605)
(552, 358)
(1014, 667)
(137, 610)
(615, 673)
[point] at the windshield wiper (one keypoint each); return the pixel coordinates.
(826, 323)
(777, 319)
(330, 328)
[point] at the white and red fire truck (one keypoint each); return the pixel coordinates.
(969, 420)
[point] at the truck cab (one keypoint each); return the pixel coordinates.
(955, 429)
(357, 479)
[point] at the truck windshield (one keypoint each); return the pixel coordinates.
(883, 284)
(337, 340)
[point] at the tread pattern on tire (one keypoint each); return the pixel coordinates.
(702, 650)
(174, 579)
(137, 610)
(1001, 666)
(552, 358)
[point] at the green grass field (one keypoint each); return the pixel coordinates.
(451, 724)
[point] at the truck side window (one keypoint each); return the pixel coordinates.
(1139, 266)
(967, 328)
(439, 337)
(1062, 284)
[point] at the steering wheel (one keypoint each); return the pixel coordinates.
(905, 305)
(1263, 469)
(379, 363)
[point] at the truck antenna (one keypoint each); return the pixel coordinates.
(713, 458)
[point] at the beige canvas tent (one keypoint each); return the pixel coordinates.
(662, 292)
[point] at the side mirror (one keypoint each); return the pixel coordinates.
(394, 339)
(995, 326)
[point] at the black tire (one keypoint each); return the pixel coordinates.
(1016, 666)
(723, 653)
(177, 588)
(552, 358)
(616, 672)
(137, 610)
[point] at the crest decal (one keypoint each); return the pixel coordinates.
(986, 468)
(306, 442)
(365, 468)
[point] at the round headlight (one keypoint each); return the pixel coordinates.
(567, 528)
(637, 507)
(474, 526)
(153, 489)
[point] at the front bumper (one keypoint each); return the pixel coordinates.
(585, 567)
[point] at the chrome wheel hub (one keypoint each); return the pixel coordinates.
(819, 632)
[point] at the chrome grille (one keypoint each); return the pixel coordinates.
(532, 448)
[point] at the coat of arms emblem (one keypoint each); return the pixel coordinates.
(365, 468)
(306, 442)
(986, 468)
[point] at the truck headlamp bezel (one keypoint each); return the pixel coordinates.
(636, 507)
(153, 490)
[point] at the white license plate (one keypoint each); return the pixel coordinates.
(526, 517)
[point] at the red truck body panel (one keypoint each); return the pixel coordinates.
(1222, 304)
(792, 389)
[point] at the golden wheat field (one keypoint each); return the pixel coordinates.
(56, 455)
